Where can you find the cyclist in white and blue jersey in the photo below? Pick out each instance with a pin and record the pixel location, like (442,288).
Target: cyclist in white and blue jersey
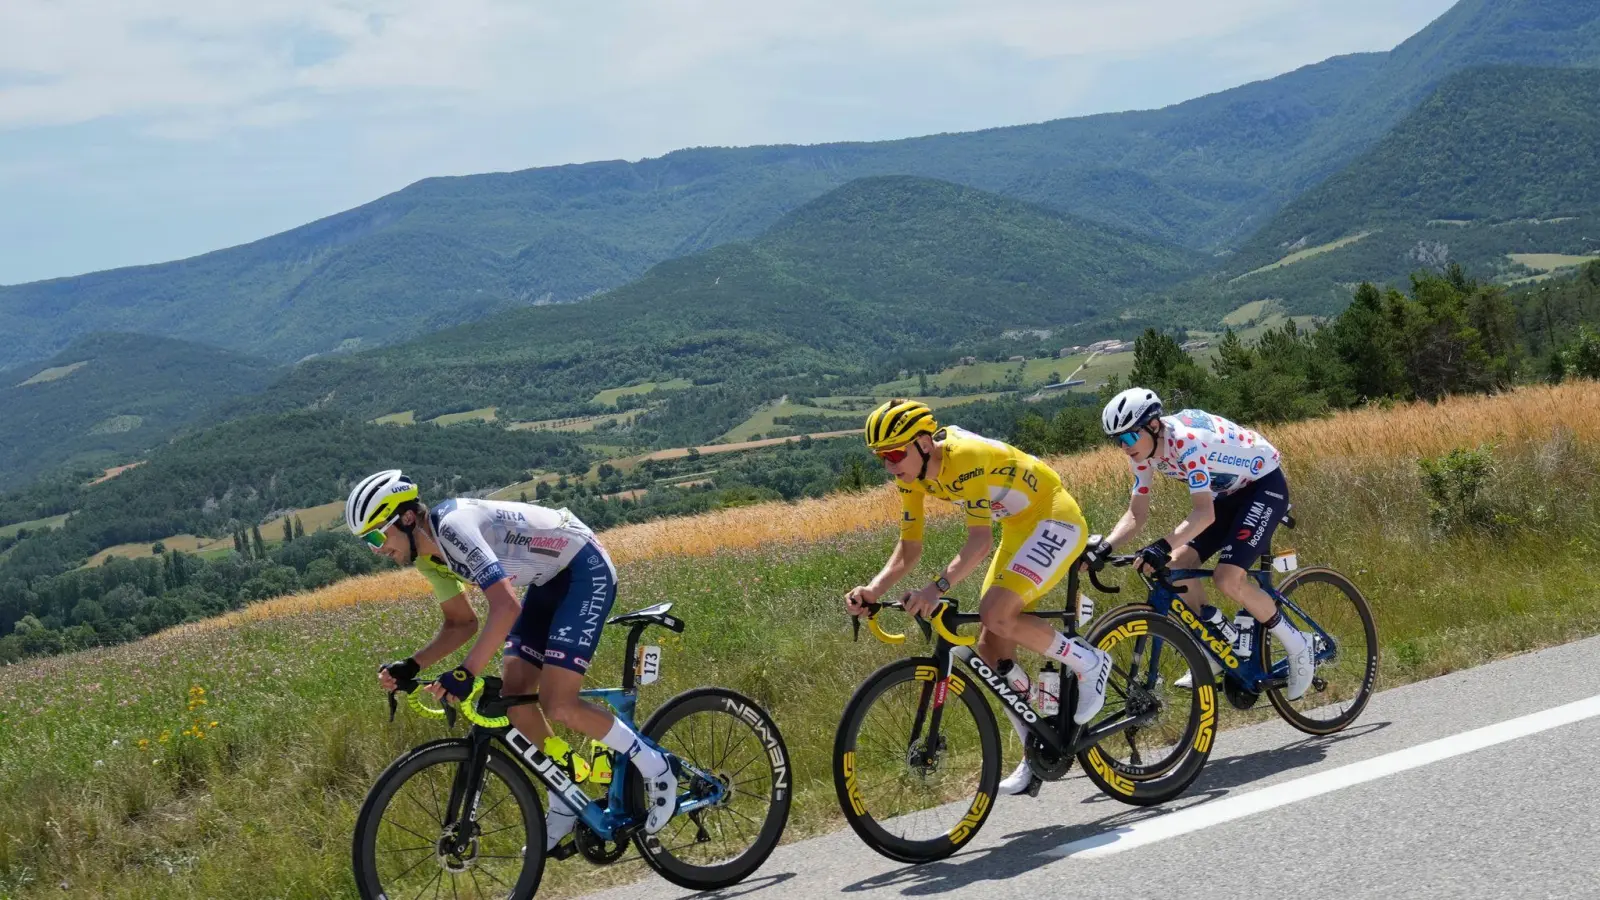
(1238,496)
(549,636)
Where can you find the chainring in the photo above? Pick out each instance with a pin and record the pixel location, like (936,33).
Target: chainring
(1044,763)
(596,849)
(1239,696)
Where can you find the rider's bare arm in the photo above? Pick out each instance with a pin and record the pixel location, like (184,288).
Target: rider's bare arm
(1132,521)
(972,554)
(504,607)
(1201,515)
(459,625)
(907,553)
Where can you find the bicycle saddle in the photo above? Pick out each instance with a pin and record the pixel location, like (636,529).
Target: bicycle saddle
(654,615)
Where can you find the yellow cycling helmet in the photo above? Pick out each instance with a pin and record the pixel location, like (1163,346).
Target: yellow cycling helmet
(896,422)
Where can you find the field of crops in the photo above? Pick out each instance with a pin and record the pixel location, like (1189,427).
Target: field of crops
(229,757)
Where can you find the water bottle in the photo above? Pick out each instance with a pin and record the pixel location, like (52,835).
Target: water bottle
(1245,626)
(1047,693)
(1014,676)
(1213,617)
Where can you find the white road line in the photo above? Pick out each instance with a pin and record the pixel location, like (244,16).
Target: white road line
(1237,807)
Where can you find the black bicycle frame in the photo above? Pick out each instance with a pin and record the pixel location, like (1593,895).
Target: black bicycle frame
(1059,734)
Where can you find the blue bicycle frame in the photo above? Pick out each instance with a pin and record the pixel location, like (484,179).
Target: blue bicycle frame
(1250,674)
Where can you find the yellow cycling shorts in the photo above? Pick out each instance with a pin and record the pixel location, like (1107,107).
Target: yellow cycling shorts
(1034,555)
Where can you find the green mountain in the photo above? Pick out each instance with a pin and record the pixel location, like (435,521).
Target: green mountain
(110,395)
(445,251)
(1499,161)
(877,266)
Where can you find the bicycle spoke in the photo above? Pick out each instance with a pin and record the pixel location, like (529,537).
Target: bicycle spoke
(407,850)
(434,882)
(387,821)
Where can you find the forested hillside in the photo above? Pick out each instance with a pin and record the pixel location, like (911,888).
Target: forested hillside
(444,251)
(109,395)
(880,265)
(1499,163)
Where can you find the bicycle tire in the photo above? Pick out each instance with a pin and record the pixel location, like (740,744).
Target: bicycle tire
(364,845)
(1151,785)
(1369,672)
(861,819)
(779,789)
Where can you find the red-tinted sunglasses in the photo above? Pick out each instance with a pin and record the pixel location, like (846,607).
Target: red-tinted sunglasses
(894,457)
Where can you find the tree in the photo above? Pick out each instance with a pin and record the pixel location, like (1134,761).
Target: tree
(288,531)
(239,545)
(158,548)
(259,545)
(299,528)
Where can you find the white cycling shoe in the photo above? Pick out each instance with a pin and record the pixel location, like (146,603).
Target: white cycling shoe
(1092,689)
(1302,667)
(1021,781)
(661,797)
(1187,681)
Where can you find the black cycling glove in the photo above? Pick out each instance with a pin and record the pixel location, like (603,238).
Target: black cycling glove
(1157,555)
(403,671)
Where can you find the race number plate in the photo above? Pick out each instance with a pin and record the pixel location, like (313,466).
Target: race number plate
(649,665)
(1286,561)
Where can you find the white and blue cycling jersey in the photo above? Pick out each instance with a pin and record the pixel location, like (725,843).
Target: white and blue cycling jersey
(488,541)
(1208,453)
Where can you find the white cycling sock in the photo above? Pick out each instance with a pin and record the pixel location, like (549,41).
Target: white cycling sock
(1075,654)
(1289,636)
(558,823)
(626,741)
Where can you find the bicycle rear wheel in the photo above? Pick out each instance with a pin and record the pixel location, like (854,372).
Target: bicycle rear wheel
(737,745)
(910,795)
(1159,757)
(1347,672)
(402,849)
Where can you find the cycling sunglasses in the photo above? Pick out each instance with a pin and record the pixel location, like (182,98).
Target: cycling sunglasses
(375,538)
(894,457)
(1126,438)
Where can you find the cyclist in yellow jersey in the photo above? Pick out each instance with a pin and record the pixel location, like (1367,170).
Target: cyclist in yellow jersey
(1042,532)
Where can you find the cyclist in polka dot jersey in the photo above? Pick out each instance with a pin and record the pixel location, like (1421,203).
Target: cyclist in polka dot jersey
(1238,495)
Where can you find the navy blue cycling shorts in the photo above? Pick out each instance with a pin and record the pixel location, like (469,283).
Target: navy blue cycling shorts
(561,619)
(1245,522)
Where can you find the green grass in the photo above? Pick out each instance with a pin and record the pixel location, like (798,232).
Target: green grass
(1034,372)
(34,525)
(409,417)
(1250,312)
(610,396)
(54,373)
(1305,254)
(762,424)
(487,414)
(1549,262)
(263,804)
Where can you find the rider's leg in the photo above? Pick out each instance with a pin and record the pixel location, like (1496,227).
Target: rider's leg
(1001,612)
(522,677)
(1194,593)
(1250,533)
(993,649)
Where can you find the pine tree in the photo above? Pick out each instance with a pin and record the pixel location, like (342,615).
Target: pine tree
(299,528)
(288,531)
(260,545)
(238,543)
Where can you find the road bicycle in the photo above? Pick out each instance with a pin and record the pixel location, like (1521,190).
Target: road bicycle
(1316,600)
(460,817)
(916,773)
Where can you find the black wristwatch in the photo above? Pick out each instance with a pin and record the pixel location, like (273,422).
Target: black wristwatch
(943,584)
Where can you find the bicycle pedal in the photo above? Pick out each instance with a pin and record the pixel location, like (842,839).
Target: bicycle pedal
(1034,784)
(567,849)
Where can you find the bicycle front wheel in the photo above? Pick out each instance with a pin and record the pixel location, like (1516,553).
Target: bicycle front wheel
(738,754)
(1169,730)
(912,792)
(1347,671)
(402,847)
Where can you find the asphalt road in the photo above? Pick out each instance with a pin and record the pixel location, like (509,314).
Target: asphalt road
(1480,784)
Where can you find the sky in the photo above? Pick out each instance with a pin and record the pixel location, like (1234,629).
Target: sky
(140,131)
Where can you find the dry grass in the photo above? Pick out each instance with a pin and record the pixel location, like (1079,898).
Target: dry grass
(114,471)
(1527,415)
(54,373)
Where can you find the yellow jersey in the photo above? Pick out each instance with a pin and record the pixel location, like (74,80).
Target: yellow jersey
(988,479)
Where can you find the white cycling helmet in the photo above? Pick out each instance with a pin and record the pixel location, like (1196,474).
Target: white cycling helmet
(1133,408)
(376,499)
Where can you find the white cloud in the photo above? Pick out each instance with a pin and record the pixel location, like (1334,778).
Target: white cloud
(217,62)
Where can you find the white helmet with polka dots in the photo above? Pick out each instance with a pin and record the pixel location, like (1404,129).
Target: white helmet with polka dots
(1133,408)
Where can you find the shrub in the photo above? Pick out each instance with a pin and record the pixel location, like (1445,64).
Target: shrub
(1456,487)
